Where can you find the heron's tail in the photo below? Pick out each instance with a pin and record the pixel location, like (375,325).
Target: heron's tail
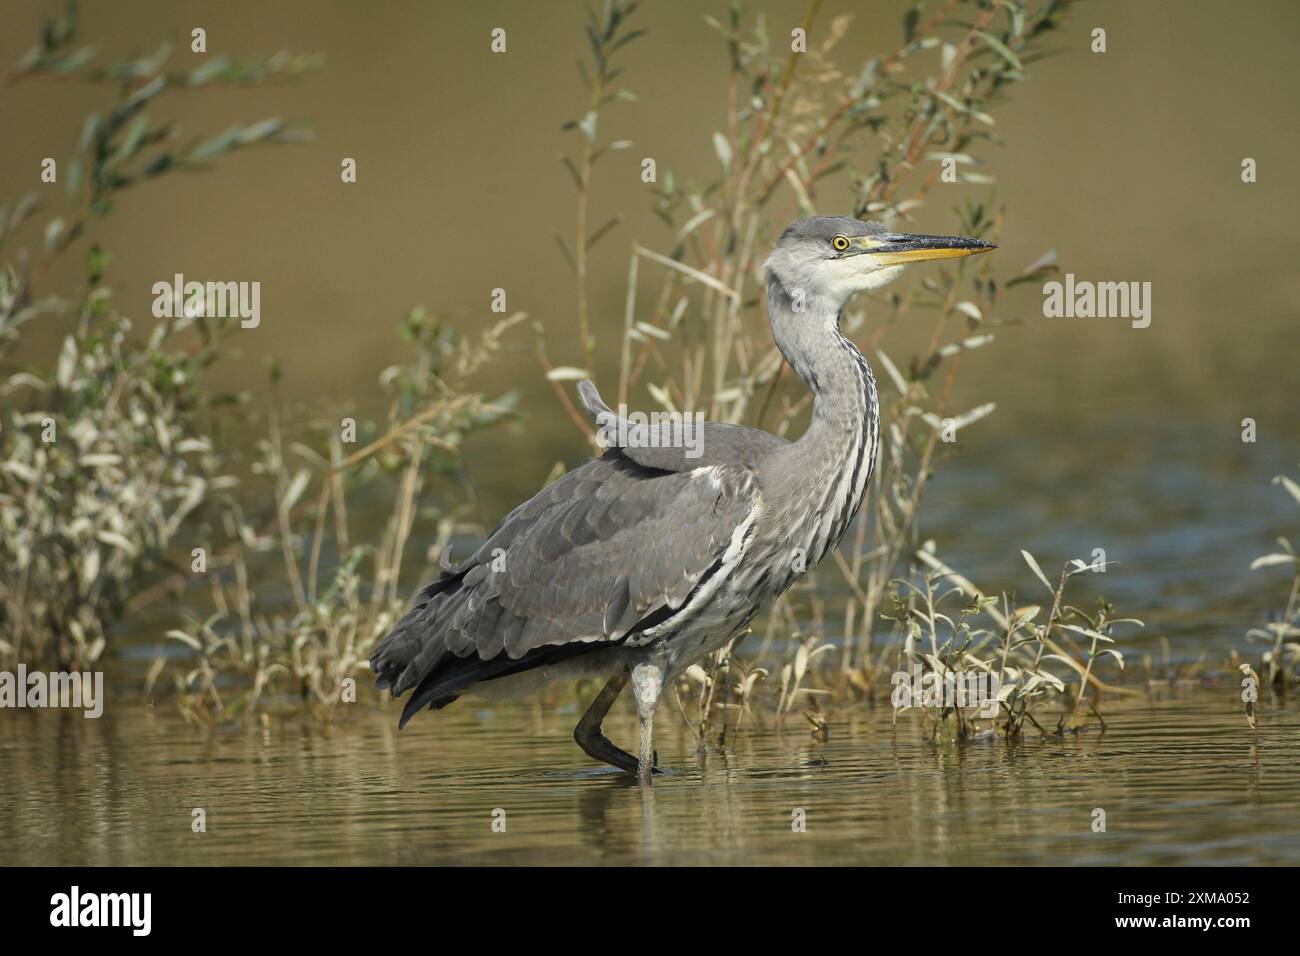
(419,653)
(414,647)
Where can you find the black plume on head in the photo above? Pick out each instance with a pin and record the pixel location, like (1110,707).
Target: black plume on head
(826,227)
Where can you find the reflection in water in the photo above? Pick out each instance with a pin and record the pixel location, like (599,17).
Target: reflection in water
(1180,781)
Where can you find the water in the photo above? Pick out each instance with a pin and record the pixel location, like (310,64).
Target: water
(1181,780)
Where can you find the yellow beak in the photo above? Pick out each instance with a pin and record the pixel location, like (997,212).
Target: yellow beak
(899,248)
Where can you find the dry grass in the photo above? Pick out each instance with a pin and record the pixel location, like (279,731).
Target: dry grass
(258,644)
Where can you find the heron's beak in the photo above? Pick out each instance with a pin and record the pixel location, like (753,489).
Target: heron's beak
(898,248)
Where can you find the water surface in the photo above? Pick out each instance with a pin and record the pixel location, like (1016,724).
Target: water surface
(1181,780)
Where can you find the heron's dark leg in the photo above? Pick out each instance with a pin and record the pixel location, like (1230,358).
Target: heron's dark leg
(648,684)
(595,744)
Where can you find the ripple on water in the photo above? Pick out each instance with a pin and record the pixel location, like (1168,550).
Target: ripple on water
(1180,781)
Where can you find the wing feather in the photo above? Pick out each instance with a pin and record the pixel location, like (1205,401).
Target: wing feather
(611,544)
(720,443)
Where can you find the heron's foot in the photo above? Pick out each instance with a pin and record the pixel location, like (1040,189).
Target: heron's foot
(596,745)
(599,747)
(588,736)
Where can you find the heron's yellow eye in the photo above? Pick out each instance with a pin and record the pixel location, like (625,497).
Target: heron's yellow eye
(840,243)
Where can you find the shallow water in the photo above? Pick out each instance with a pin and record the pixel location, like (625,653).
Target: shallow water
(1180,780)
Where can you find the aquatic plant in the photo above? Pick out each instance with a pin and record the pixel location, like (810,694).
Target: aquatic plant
(1280,661)
(105,455)
(1011,643)
(306,639)
(112,465)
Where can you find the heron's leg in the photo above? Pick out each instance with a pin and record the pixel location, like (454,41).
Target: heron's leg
(647,684)
(595,744)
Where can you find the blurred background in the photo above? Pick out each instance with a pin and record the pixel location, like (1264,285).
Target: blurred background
(1127,163)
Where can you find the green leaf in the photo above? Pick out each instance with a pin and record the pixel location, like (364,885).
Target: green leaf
(723,149)
(910,19)
(567,373)
(1272,559)
(1088,632)
(1033,566)
(53,233)
(1289,485)
(1001,49)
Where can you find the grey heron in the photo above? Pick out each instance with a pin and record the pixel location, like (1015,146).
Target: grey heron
(646,559)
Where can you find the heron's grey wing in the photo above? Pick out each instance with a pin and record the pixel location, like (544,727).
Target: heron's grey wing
(683,446)
(610,545)
(606,547)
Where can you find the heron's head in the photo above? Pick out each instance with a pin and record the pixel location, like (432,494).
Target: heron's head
(830,258)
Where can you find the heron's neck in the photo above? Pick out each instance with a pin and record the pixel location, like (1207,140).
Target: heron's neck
(837,453)
(844,390)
